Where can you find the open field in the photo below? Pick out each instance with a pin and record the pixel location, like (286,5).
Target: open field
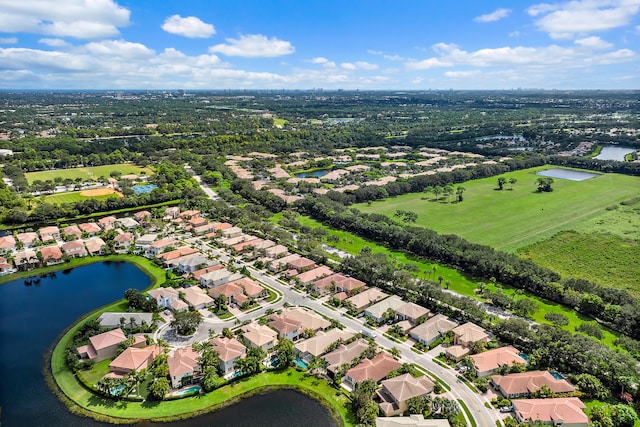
(76,196)
(87,173)
(511,219)
(606,259)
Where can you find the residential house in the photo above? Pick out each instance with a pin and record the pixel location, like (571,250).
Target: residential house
(51,255)
(260,247)
(169,259)
(277,251)
(128,223)
(72,230)
(159,246)
(74,249)
(231,241)
(187,215)
(198,273)
(123,242)
(196,297)
(374,369)
(251,288)
(198,221)
(301,265)
(192,263)
(414,420)
(243,247)
(565,411)
(364,299)
(380,309)
(49,234)
(412,312)
(124,319)
(29,239)
(183,366)
(102,346)
(229,350)
(134,359)
(95,245)
(350,285)
(5,267)
(395,392)
(107,223)
(91,228)
(312,275)
(7,244)
(327,284)
(219,277)
(142,216)
(280,264)
(432,329)
(286,327)
(463,337)
(178,305)
(524,384)
(308,319)
(25,259)
(164,296)
(344,354)
(231,232)
(229,290)
(171,213)
(259,336)
(317,345)
(202,229)
(486,363)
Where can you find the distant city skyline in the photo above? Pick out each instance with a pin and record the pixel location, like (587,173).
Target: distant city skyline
(294,44)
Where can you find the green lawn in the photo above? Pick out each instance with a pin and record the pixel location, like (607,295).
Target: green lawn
(73,197)
(510,219)
(87,173)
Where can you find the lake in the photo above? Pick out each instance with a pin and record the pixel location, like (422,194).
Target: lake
(569,174)
(315,174)
(614,152)
(33,316)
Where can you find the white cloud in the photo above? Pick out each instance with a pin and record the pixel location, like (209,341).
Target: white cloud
(514,33)
(253,46)
(348,66)
(8,40)
(594,42)
(324,62)
(190,26)
(119,49)
(427,64)
(496,15)
(461,74)
(80,19)
(53,42)
(386,56)
(359,65)
(584,16)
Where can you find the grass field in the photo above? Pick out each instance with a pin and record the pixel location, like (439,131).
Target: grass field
(606,259)
(73,196)
(87,173)
(511,219)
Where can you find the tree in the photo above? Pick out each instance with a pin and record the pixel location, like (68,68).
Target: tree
(459,191)
(512,181)
(186,322)
(501,181)
(623,415)
(285,352)
(209,378)
(159,388)
(544,184)
(364,407)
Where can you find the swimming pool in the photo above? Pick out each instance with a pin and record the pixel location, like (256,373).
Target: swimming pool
(556,375)
(188,390)
(301,363)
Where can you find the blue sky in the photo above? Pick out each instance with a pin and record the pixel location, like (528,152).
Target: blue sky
(330,44)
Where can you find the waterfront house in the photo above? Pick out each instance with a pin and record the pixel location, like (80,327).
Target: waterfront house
(395,392)
(51,255)
(344,354)
(259,336)
(7,244)
(107,223)
(229,350)
(317,345)
(374,369)
(124,319)
(183,366)
(123,242)
(102,346)
(163,296)
(95,245)
(134,359)
(75,249)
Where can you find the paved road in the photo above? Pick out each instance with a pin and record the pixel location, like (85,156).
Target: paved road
(483,416)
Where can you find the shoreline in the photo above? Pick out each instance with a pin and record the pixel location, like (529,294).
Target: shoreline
(78,400)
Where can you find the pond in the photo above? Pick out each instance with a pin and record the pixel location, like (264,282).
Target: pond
(315,174)
(613,152)
(33,316)
(569,174)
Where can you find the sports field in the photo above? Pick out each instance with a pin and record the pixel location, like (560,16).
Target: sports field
(514,218)
(88,173)
(76,196)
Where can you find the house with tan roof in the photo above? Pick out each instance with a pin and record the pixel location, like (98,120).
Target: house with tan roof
(486,363)
(176,253)
(198,273)
(412,312)
(229,290)
(193,262)
(286,327)
(171,213)
(187,215)
(372,369)
(202,229)
(310,276)
(259,336)
(350,285)
(183,366)
(302,264)
(280,264)
(91,228)
(123,242)
(198,221)
(107,222)
(134,359)
(29,239)
(276,251)
(414,420)
(432,329)
(395,392)
(159,246)
(230,232)
(102,346)
(7,243)
(308,319)
(5,267)
(196,297)
(25,259)
(142,216)
(469,333)
(74,249)
(229,350)
(344,354)
(251,288)
(524,384)
(95,245)
(129,320)
(219,277)
(163,296)
(231,241)
(565,411)
(317,344)
(51,255)
(327,284)
(72,230)
(49,234)
(378,310)
(366,298)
